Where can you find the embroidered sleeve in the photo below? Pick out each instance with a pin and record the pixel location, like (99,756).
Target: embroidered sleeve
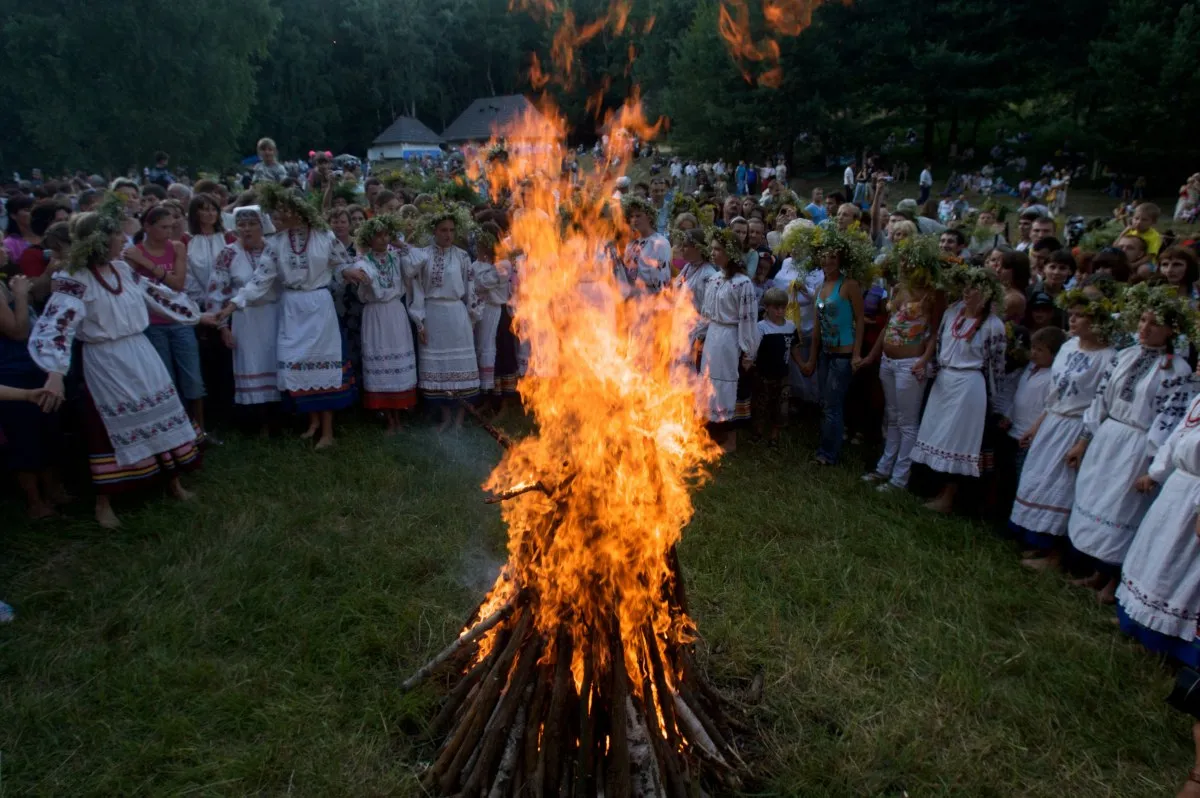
(749,335)
(1175,394)
(1097,411)
(220,281)
(993,360)
(175,305)
(1163,464)
(474,305)
(339,257)
(258,286)
(416,302)
(52,336)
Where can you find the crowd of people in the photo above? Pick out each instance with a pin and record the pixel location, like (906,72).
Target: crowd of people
(1051,380)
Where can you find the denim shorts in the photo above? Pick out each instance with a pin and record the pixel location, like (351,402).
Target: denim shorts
(176,345)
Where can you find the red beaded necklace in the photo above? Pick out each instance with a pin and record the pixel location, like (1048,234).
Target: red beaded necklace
(956,328)
(1193,416)
(100,279)
(292,242)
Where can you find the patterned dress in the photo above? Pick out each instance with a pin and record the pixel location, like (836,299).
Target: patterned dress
(445,304)
(730,330)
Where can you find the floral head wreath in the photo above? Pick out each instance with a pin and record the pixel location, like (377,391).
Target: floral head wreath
(1169,309)
(91,247)
(1101,303)
(682,203)
(813,242)
(918,262)
(436,213)
(274,197)
(959,278)
(632,203)
(346,191)
(695,237)
(386,223)
(728,241)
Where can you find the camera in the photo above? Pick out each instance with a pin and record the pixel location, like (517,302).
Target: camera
(1185,696)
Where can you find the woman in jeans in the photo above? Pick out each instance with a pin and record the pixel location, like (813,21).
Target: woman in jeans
(906,347)
(970,360)
(845,260)
(165,262)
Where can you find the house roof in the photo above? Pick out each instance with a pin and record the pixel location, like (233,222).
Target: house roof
(485,114)
(407,130)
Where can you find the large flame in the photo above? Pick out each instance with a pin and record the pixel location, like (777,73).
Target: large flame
(619,441)
(782,18)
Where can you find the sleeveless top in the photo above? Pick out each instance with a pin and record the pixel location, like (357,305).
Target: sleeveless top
(837,318)
(167,261)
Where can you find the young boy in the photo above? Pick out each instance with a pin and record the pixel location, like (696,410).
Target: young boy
(779,342)
(1145,216)
(1030,398)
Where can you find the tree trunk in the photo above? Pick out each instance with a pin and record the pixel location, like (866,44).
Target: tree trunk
(930,126)
(975,131)
(952,139)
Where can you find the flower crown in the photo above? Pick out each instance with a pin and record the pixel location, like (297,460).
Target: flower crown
(959,278)
(729,242)
(631,204)
(1101,303)
(1169,309)
(274,197)
(92,248)
(384,223)
(857,254)
(919,262)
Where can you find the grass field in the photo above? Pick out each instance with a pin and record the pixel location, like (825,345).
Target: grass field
(252,642)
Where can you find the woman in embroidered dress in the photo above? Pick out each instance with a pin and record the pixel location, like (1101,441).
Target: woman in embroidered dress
(1046,490)
(492,286)
(252,332)
(311,362)
(346,300)
(697,272)
(906,348)
(1158,602)
(1142,396)
(729,336)
(445,307)
(648,257)
(970,359)
(389,362)
(208,240)
(135,425)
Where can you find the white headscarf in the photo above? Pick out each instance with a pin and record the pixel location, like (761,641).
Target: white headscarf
(256,211)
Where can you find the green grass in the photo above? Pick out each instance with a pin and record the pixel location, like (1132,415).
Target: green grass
(252,642)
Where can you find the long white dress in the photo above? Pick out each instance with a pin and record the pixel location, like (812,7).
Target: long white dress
(389,361)
(255,327)
(730,330)
(694,279)
(202,254)
(133,394)
(1142,396)
(969,369)
(1047,488)
(445,303)
(1160,582)
(492,286)
(309,355)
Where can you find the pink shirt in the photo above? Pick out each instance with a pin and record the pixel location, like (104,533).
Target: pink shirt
(167,261)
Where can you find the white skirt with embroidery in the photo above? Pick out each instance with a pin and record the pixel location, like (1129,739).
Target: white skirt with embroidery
(1160,581)
(1107,510)
(1047,488)
(389,362)
(951,434)
(447,363)
(310,343)
(136,399)
(255,364)
(485,345)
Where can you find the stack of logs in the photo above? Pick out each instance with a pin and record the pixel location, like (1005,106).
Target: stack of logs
(517,722)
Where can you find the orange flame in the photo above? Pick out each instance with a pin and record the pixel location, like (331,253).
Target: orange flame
(618,430)
(783,17)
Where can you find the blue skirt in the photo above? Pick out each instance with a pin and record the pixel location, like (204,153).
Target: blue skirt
(1185,651)
(321,399)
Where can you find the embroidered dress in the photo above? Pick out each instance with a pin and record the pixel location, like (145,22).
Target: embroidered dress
(136,425)
(444,302)
(310,359)
(647,266)
(1046,491)
(255,327)
(1159,597)
(730,330)
(492,286)
(969,367)
(202,254)
(389,362)
(1142,396)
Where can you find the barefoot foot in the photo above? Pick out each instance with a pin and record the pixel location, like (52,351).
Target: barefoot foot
(107,519)
(309,433)
(324,443)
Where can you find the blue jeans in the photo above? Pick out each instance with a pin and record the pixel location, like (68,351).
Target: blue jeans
(833,381)
(176,345)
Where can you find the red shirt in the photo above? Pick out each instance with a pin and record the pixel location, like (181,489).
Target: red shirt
(32,262)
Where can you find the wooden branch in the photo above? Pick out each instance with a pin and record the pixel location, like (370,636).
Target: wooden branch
(508,763)
(513,493)
(643,758)
(619,785)
(549,760)
(695,732)
(496,434)
(461,642)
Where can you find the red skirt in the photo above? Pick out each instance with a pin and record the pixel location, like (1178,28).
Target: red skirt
(378,400)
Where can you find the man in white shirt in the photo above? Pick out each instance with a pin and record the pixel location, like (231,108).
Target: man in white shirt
(848,181)
(925,182)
